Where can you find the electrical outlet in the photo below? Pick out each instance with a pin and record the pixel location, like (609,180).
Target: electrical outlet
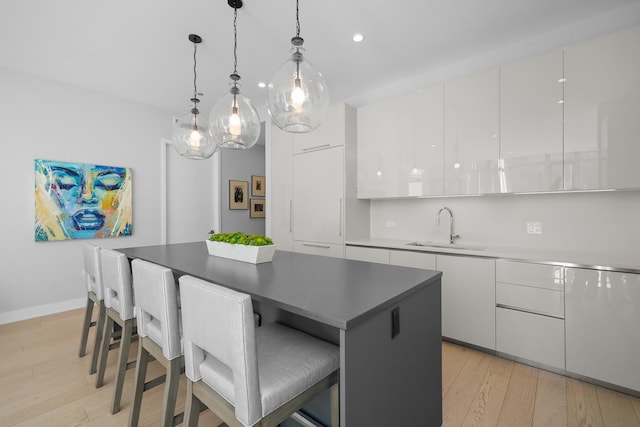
(390,224)
(534,227)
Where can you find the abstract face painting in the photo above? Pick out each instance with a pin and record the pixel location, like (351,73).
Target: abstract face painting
(81,201)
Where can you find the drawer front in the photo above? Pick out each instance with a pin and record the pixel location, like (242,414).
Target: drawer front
(315,248)
(536,300)
(412,259)
(525,273)
(529,336)
(367,254)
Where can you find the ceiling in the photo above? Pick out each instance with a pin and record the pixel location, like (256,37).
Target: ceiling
(139,49)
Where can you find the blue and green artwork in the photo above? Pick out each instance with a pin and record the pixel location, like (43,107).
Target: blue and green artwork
(81,201)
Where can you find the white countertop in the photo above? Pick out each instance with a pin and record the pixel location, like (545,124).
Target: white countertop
(601,261)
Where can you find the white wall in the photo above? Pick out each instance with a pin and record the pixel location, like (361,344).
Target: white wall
(44,119)
(602,222)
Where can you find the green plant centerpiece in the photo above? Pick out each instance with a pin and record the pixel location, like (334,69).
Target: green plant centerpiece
(252,248)
(239,238)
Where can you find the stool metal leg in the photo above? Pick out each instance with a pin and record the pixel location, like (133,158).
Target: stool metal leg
(125,343)
(102,314)
(86,325)
(192,407)
(171,391)
(139,386)
(104,350)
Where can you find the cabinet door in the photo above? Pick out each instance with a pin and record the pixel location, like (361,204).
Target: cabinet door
(323,249)
(318,196)
(471,123)
(421,143)
(378,150)
(358,253)
(531,94)
(602,98)
(468,299)
(601,318)
(536,338)
(281,188)
(329,134)
(412,259)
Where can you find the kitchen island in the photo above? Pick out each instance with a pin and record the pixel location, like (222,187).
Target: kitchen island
(386,320)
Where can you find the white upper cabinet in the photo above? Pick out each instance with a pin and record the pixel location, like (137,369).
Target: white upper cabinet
(421,143)
(378,162)
(602,119)
(329,134)
(471,130)
(531,94)
(280,186)
(400,146)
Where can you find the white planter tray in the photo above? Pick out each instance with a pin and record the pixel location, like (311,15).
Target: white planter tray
(244,253)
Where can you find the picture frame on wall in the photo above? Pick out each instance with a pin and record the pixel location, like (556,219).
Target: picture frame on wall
(238,195)
(258,208)
(258,186)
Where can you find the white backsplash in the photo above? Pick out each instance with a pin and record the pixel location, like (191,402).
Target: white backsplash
(601,222)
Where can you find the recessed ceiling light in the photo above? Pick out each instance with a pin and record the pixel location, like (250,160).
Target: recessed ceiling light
(262,84)
(358,37)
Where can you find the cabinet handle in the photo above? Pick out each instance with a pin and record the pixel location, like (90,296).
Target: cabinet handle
(315,245)
(340,218)
(290,216)
(316,147)
(524,310)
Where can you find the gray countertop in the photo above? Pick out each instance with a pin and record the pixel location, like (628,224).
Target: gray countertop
(337,292)
(600,261)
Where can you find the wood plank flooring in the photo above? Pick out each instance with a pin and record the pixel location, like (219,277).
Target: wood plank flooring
(44,383)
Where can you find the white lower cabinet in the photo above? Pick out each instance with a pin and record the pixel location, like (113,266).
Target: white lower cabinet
(530,312)
(412,259)
(602,326)
(314,248)
(530,336)
(359,253)
(468,299)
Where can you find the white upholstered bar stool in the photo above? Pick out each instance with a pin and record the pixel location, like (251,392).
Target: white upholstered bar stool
(158,320)
(248,376)
(92,276)
(118,300)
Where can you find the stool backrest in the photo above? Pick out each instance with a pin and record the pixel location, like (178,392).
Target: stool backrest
(156,307)
(91,269)
(219,321)
(116,278)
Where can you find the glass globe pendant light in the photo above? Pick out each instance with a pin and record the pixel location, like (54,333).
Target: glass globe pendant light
(191,137)
(297,96)
(234,121)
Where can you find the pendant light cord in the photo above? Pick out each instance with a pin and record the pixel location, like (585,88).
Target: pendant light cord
(235,40)
(195,74)
(297,20)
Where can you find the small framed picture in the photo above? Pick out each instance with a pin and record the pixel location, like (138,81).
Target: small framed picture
(258,208)
(258,186)
(238,194)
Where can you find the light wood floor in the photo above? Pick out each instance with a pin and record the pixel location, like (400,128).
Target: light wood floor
(44,383)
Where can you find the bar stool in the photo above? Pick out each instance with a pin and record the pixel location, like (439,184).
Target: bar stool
(92,275)
(248,376)
(159,334)
(118,300)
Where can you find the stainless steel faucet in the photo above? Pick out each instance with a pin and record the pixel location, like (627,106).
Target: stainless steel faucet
(452,236)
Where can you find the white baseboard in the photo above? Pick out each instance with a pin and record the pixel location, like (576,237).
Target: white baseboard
(41,310)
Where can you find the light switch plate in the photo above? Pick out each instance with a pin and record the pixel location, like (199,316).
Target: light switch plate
(534,227)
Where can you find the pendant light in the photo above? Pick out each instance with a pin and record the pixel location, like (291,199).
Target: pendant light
(297,96)
(191,137)
(234,121)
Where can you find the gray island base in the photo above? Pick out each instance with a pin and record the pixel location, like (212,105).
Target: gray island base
(386,320)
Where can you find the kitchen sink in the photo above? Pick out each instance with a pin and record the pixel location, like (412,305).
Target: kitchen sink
(429,244)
